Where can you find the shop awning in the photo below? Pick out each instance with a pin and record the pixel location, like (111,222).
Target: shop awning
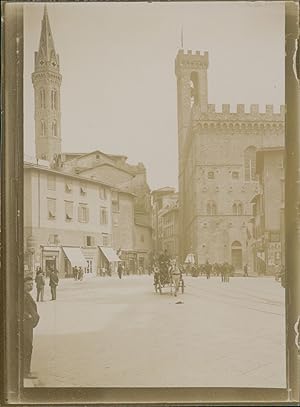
(75,256)
(109,253)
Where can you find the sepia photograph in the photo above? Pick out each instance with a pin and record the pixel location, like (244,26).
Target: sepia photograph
(154,195)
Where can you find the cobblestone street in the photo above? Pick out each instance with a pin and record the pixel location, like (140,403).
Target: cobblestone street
(111,332)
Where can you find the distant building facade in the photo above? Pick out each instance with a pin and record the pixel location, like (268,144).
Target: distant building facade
(169,226)
(217,162)
(162,199)
(268,211)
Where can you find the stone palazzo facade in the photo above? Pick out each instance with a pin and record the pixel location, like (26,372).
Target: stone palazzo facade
(217,166)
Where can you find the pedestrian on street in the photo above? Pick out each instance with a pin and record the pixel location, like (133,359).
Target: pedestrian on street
(176,276)
(30,321)
(53,282)
(80,273)
(120,270)
(75,272)
(40,284)
(246,270)
(207,269)
(223,267)
(227,272)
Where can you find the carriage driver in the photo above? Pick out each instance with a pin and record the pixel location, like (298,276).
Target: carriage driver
(176,275)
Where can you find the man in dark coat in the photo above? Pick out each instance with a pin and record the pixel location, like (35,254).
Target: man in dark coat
(120,270)
(53,282)
(40,283)
(30,321)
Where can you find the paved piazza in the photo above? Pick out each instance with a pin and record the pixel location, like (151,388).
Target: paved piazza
(120,333)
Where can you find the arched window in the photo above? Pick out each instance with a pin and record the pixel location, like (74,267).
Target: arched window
(250,163)
(211,208)
(42,98)
(240,209)
(54,129)
(194,88)
(53,99)
(237,208)
(43,128)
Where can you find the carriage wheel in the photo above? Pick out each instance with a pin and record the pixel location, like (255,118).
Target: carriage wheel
(182,286)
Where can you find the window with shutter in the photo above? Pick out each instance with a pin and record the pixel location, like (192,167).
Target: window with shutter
(51,206)
(68,186)
(68,211)
(83,189)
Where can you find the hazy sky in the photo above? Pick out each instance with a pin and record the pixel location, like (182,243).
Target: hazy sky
(118,90)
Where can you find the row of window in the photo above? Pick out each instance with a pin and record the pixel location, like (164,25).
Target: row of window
(82,212)
(51,185)
(234,175)
(237,208)
(88,240)
(53,99)
(249,166)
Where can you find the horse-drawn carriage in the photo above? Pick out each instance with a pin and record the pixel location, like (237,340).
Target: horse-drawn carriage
(167,275)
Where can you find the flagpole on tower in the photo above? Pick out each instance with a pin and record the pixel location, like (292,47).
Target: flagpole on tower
(181,37)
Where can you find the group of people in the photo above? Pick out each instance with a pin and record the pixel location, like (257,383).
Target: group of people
(40,281)
(225,270)
(78,273)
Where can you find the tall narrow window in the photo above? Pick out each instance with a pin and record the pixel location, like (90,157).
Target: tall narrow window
(42,98)
(250,163)
(43,128)
(54,99)
(103,216)
(240,209)
(54,129)
(115,201)
(83,213)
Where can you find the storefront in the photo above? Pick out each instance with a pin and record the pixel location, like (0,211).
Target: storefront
(108,260)
(73,256)
(50,259)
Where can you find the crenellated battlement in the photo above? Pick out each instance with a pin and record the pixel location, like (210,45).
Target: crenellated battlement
(190,60)
(239,114)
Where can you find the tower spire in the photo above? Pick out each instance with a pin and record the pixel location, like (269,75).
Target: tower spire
(46,55)
(46,80)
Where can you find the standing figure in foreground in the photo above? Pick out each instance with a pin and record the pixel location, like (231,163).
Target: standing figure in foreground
(53,283)
(30,321)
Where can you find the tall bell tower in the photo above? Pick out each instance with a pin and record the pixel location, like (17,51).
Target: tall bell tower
(191,72)
(46,80)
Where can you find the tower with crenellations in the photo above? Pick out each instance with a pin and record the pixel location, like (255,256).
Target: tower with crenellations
(217,166)
(46,80)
